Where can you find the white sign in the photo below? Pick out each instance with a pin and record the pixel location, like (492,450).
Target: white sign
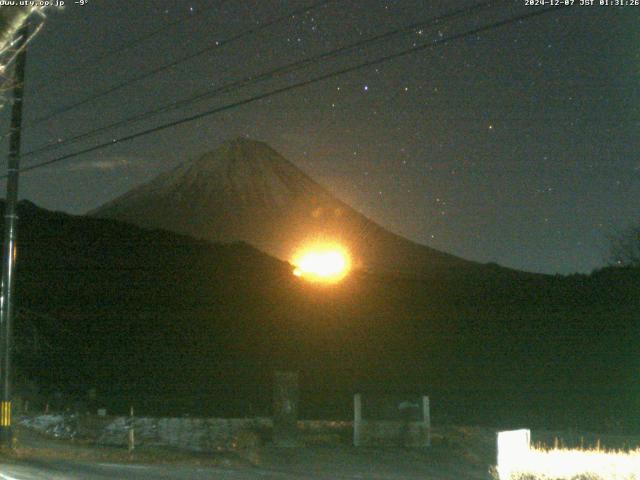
(513,445)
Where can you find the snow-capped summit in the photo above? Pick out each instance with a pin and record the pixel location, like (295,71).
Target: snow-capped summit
(247,170)
(246,191)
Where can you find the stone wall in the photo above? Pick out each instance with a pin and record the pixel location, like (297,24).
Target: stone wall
(220,434)
(394,434)
(194,434)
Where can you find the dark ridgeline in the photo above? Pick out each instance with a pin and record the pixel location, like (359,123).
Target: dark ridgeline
(176,325)
(246,191)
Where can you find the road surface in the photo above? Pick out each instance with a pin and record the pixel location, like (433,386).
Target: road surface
(59,470)
(41,458)
(73,470)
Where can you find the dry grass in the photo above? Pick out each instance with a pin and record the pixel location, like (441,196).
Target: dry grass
(572,464)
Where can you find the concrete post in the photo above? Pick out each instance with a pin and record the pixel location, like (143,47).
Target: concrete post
(426,418)
(132,435)
(357,419)
(285,409)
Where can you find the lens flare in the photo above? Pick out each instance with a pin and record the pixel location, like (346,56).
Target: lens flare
(323,263)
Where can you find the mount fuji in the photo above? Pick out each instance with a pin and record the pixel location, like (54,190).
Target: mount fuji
(246,191)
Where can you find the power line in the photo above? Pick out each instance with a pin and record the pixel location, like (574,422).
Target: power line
(288,68)
(295,86)
(216,45)
(132,43)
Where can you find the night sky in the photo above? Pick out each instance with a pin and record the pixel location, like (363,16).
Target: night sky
(518,145)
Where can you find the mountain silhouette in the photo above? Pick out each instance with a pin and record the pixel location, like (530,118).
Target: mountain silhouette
(246,191)
(171,324)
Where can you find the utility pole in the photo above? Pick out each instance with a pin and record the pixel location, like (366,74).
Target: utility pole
(9,246)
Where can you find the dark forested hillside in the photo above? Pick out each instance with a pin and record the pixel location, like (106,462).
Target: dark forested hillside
(175,325)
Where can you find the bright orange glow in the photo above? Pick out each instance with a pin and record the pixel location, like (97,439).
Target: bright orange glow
(323,263)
